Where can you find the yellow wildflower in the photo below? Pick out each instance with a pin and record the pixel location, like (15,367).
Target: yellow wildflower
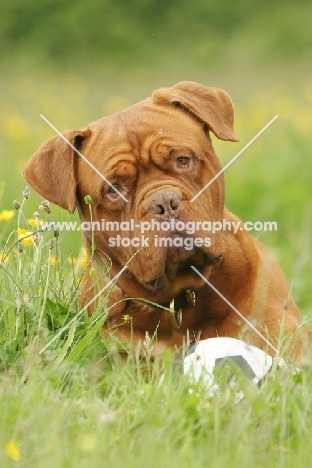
(83,258)
(6,215)
(4,259)
(13,450)
(34,222)
(54,261)
(25,236)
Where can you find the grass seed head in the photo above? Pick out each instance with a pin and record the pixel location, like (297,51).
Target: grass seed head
(16,204)
(45,206)
(26,192)
(88,199)
(56,232)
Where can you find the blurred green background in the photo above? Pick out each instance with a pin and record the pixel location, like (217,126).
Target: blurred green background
(76,61)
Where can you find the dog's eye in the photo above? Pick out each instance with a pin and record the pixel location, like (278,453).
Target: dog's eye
(116,186)
(183,161)
(112,194)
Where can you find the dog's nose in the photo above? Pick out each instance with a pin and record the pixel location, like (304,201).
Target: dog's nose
(165,204)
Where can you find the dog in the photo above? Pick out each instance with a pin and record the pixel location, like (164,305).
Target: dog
(148,165)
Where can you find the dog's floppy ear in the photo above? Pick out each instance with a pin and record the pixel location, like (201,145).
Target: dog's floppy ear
(51,170)
(211,106)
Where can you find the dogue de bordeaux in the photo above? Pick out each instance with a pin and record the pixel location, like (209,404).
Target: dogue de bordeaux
(143,168)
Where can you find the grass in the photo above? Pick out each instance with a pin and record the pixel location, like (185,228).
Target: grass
(87,414)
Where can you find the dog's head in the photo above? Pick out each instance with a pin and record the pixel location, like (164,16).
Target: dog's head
(142,168)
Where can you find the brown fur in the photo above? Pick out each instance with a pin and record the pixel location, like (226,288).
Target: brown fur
(139,149)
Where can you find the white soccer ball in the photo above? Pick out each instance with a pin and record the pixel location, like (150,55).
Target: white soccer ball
(203,358)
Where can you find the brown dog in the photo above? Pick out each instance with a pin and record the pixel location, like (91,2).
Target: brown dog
(155,157)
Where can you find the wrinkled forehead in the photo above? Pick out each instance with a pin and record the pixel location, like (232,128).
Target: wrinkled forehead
(146,124)
(148,115)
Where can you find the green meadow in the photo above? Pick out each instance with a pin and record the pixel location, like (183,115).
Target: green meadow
(66,399)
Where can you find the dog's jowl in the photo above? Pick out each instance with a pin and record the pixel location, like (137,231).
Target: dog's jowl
(144,168)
